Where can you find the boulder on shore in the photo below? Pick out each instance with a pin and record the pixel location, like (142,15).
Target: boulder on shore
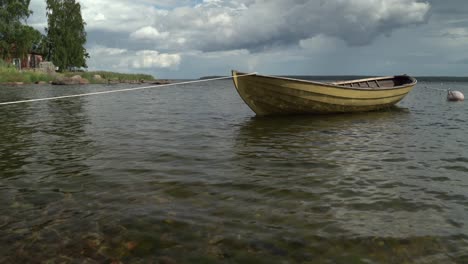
(77,79)
(98,79)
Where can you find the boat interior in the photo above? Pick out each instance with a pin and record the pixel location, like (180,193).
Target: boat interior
(376,83)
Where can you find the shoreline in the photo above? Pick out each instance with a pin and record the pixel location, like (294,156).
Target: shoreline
(9,76)
(111,82)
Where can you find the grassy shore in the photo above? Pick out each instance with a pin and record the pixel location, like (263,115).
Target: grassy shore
(110,76)
(9,74)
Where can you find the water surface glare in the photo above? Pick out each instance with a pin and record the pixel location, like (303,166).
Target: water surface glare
(188,174)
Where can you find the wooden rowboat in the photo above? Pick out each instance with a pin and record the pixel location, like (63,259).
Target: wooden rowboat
(269,95)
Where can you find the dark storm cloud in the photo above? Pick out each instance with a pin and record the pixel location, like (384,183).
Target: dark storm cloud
(264,24)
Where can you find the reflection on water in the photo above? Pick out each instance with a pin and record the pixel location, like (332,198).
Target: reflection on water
(345,162)
(321,137)
(188,175)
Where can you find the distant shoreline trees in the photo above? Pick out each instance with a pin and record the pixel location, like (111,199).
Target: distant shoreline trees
(66,35)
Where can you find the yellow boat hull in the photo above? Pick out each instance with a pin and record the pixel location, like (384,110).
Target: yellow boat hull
(268,95)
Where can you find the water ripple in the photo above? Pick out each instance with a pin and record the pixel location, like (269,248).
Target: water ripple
(187,174)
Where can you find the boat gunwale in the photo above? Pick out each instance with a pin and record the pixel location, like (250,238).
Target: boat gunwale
(236,74)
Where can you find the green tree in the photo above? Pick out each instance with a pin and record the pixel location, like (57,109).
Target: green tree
(66,35)
(16,39)
(27,38)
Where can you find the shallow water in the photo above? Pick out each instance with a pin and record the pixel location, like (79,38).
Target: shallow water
(189,174)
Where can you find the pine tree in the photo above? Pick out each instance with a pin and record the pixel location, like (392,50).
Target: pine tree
(66,35)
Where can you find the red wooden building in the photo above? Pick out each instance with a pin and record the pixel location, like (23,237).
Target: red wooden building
(30,61)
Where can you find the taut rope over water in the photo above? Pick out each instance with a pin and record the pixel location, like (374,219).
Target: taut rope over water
(121,90)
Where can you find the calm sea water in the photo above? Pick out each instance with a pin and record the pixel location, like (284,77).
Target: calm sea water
(188,174)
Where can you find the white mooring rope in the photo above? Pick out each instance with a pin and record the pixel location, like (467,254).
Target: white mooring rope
(121,90)
(436,89)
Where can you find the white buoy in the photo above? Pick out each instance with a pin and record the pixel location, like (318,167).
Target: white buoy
(455,96)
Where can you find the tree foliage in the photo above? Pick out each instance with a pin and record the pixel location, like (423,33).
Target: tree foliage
(27,39)
(66,35)
(16,39)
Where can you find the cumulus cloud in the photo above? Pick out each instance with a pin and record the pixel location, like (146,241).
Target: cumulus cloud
(148,33)
(38,20)
(128,60)
(145,34)
(154,59)
(101,50)
(216,25)
(119,15)
(260,24)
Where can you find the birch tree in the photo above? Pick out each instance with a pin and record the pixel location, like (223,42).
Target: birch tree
(66,35)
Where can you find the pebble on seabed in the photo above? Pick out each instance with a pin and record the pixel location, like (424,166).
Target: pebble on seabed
(455,96)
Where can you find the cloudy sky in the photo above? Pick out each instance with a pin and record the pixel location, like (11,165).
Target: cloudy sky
(193,38)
